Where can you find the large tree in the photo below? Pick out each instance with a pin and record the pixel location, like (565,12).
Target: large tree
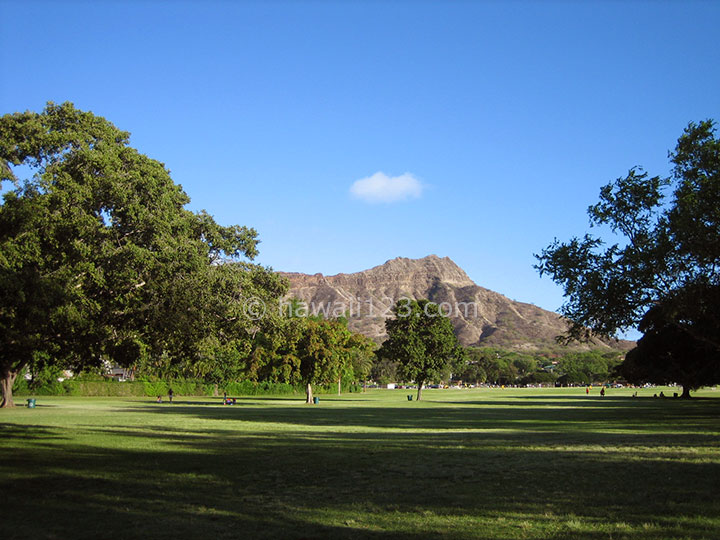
(422,340)
(667,353)
(234,326)
(99,259)
(324,351)
(361,356)
(668,253)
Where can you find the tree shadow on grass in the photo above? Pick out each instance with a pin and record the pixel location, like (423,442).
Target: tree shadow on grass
(633,415)
(505,469)
(19,431)
(250,483)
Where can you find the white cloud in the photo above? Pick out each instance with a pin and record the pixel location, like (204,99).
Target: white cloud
(381,188)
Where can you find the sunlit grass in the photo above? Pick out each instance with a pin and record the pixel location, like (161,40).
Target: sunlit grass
(463,464)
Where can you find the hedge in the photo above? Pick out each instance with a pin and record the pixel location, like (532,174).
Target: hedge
(187,387)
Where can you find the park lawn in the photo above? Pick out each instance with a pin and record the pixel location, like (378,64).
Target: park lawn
(504,464)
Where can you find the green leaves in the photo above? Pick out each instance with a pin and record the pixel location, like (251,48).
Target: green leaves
(629,204)
(422,340)
(662,276)
(680,342)
(668,244)
(694,222)
(99,257)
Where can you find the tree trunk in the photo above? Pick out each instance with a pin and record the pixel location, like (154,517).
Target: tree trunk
(308,393)
(6,383)
(686,392)
(419,395)
(215,390)
(339,386)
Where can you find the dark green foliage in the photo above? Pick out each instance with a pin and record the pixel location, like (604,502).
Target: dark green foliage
(249,388)
(668,246)
(497,365)
(669,256)
(670,352)
(539,378)
(503,367)
(422,341)
(44,374)
(472,373)
(152,389)
(384,371)
(588,367)
(325,351)
(99,260)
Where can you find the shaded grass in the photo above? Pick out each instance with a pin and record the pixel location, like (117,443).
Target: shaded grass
(462,464)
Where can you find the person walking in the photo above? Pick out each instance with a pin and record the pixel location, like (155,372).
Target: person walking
(170,395)
(602,392)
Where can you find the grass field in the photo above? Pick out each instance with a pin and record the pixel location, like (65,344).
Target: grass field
(499,464)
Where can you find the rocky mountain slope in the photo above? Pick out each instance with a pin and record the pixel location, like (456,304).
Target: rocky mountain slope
(481,317)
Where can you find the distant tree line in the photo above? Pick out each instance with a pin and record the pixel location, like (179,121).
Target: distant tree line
(497,366)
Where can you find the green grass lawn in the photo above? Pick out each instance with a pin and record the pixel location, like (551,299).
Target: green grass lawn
(481,463)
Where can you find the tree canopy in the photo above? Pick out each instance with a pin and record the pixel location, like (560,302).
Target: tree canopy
(422,340)
(98,256)
(323,351)
(668,256)
(667,353)
(508,367)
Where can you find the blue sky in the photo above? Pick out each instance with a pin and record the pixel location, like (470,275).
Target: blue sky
(482,130)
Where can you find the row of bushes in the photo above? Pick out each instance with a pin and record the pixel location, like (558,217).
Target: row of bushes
(111,387)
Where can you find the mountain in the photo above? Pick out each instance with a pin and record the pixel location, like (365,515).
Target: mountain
(480,316)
